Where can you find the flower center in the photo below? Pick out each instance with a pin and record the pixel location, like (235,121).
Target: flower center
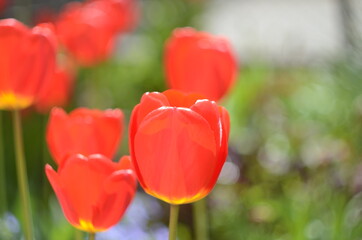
(88,226)
(11,101)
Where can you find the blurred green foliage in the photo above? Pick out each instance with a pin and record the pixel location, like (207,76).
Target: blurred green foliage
(296,134)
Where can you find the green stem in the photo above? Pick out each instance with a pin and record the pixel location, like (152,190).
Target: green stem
(173,222)
(92,236)
(3,201)
(200,219)
(78,235)
(22,176)
(45,160)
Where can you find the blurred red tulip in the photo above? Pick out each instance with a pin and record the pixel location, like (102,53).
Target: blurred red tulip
(57,92)
(27,62)
(124,13)
(199,62)
(87,32)
(84,131)
(93,192)
(178,145)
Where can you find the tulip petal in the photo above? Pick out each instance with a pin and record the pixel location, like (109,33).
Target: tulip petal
(180,99)
(16,67)
(118,192)
(27,61)
(109,128)
(133,126)
(41,51)
(123,13)
(177,157)
(223,151)
(93,193)
(68,210)
(210,111)
(225,119)
(217,117)
(125,163)
(149,102)
(56,93)
(56,135)
(12,35)
(87,32)
(82,181)
(199,62)
(177,48)
(66,134)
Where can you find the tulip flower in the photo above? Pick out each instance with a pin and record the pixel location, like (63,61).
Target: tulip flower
(27,62)
(93,191)
(124,13)
(56,93)
(178,145)
(87,32)
(199,62)
(84,131)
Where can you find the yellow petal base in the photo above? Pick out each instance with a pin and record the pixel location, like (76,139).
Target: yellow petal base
(11,101)
(177,201)
(87,226)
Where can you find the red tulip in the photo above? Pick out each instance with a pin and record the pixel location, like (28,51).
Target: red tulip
(27,62)
(124,13)
(93,192)
(199,62)
(84,131)
(178,145)
(57,92)
(87,32)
